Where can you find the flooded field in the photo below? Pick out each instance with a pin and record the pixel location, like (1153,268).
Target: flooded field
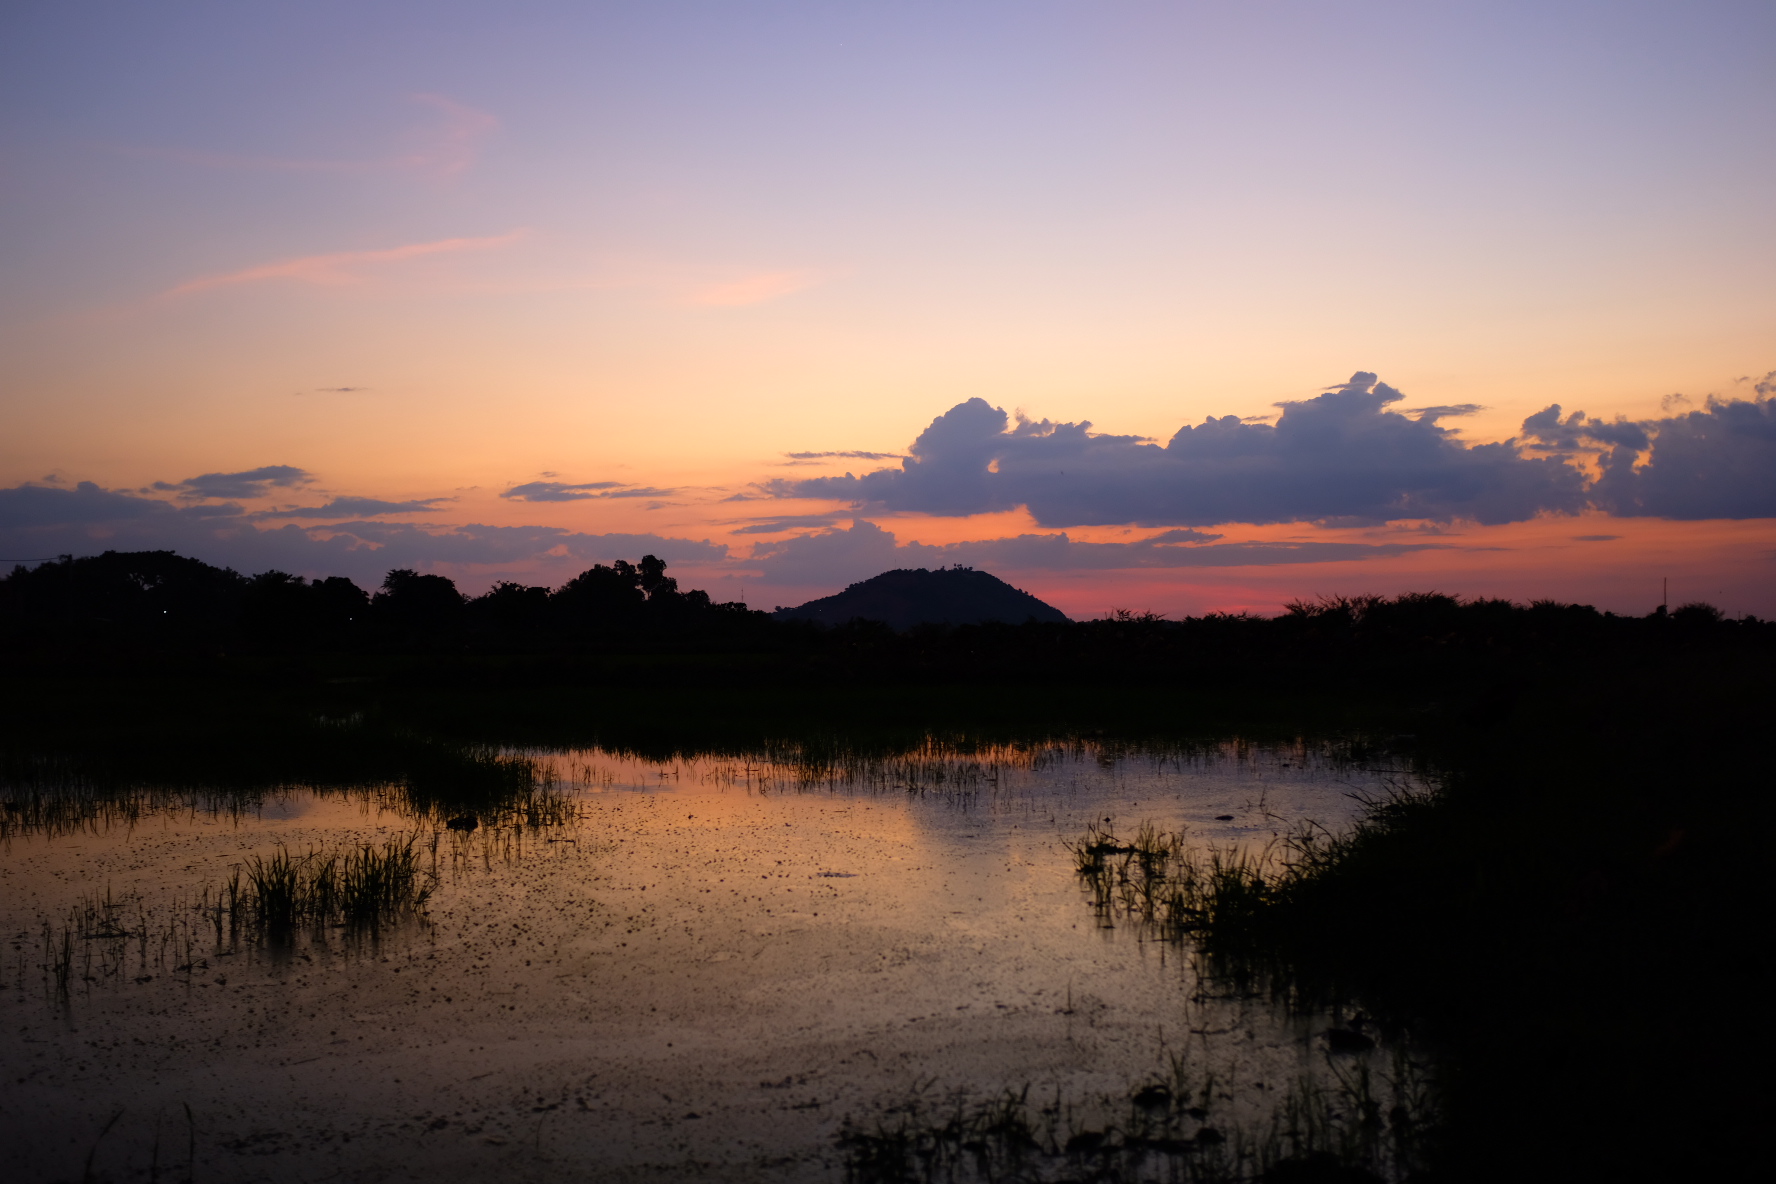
(735,968)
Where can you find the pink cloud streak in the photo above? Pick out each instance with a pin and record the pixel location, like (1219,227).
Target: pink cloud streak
(342,267)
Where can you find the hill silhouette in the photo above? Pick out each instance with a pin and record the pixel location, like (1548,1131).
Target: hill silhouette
(906,597)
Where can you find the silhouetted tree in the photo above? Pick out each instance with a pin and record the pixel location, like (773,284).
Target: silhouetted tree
(510,608)
(422,610)
(654,580)
(120,598)
(339,605)
(283,611)
(600,596)
(276,609)
(1697,613)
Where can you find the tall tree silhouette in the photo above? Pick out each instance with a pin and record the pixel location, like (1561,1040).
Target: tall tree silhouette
(423,609)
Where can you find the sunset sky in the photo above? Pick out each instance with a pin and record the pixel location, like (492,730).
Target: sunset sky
(503,290)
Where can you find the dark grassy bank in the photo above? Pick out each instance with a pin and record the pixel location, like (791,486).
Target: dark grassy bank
(1575,922)
(1580,922)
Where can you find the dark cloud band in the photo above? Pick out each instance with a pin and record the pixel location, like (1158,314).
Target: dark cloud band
(863,550)
(37,520)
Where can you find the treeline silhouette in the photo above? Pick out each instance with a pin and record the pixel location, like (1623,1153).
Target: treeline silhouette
(156,603)
(159,601)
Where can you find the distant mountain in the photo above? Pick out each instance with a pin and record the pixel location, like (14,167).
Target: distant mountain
(910,596)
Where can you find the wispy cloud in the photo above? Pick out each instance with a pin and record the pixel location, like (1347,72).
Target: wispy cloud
(453,147)
(640,491)
(753,289)
(1433,414)
(784,522)
(357,507)
(561,491)
(446,149)
(249,483)
(845,455)
(341,267)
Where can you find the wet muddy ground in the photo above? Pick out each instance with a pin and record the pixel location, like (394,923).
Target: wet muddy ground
(704,975)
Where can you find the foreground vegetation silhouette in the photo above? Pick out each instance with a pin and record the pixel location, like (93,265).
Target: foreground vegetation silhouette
(1574,921)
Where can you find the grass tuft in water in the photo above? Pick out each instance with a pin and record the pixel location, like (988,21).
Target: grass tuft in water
(270,898)
(364,885)
(1342,1122)
(1168,890)
(1227,901)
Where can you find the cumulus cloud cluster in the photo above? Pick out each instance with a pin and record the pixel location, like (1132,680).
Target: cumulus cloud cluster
(1718,462)
(1343,457)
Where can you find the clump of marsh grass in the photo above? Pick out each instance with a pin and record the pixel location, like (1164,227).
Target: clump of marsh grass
(499,788)
(930,768)
(996,1138)
(1227,901)
(1164,887)
(56,806)
(108,938)
(363,885)
(99,783)
(271,899)
(1344,1122)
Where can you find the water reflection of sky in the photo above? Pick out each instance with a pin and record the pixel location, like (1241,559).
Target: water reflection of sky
(728,958)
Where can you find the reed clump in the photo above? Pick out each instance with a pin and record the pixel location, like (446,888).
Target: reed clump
(1171,890)
(92,781)
(364,885)
(270,898)
(1240,906)
(106,938)
(1345,1121)
(442,781)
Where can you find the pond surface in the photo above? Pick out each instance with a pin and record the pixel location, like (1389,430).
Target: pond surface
(697,969)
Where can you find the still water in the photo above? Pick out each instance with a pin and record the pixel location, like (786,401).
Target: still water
(704,968)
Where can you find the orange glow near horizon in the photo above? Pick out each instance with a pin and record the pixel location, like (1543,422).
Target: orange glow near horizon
(658,252)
